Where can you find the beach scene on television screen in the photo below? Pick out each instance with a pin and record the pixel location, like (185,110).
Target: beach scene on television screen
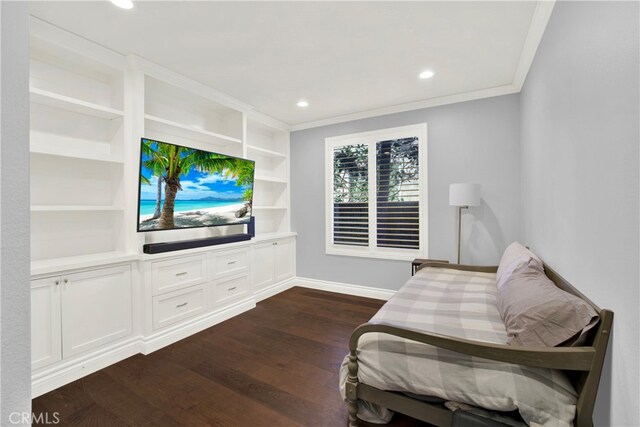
(184,188)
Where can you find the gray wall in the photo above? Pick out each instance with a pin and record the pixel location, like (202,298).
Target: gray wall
(580,174)
(468,142)
(15,352)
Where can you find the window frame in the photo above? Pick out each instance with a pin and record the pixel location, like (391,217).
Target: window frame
(371,138)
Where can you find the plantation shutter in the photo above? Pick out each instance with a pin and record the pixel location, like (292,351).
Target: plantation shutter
(351,195)
(398,194)
(375,189)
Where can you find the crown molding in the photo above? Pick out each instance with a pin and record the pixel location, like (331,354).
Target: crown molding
(538,25)
(427,103)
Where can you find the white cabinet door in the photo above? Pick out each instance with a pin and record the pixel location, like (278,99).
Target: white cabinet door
(96,308)
(283,260)
(46,346)
(262,268)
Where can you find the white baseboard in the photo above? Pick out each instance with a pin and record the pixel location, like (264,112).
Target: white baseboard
(49,379)
(344,288)
(274,289)
(164,338)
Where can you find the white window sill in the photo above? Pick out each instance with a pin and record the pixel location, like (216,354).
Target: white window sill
(376,254)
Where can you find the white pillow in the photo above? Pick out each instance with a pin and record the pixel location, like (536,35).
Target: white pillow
(515,257)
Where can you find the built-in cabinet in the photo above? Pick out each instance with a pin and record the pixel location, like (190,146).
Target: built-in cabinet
(212,279)
(272,262)
(96,298)
(77,312)
(96,308)
(172,307)
(46,322)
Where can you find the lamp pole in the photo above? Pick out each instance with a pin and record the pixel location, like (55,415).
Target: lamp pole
(460,227)
(462,196)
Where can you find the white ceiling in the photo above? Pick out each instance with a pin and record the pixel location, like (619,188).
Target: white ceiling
(348,59)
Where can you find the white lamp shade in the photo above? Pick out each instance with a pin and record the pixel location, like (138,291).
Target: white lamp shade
(464,194)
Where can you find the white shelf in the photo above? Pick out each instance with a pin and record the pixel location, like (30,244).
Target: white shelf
(56,100)
(73,208)
(266,152)
(55,265)
(270,179)
(186,131)
(53,151)
(261,208)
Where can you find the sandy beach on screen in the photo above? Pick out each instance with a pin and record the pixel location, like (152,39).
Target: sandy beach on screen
(198,218)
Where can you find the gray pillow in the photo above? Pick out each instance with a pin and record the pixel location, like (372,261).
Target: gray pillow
(538,313)
(515,257)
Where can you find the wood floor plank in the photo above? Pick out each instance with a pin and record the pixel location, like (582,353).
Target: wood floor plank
(275,365)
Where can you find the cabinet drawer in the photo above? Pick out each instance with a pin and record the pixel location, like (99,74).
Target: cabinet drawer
(231,288)
(175,306)
(178,273)
(229,262)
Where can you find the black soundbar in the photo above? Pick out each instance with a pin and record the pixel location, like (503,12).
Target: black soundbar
(157,248)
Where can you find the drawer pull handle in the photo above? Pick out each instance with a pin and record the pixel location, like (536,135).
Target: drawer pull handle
(181,274)
(57,282)
(230,289)
(231,262)
(182,305)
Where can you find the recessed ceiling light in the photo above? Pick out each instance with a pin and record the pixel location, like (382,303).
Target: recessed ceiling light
(426,74)
(302,103)
(124,4)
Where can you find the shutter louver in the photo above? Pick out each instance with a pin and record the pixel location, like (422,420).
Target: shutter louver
(350,195)
(397,194)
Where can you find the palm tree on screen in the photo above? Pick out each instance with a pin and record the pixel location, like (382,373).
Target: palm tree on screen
(242,172)
(156,164)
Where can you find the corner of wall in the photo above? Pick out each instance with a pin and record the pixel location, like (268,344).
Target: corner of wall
(15,334)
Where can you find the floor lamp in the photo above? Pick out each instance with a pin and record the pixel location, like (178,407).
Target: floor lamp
(463,196)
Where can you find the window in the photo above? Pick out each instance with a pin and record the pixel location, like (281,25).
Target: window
(376,193)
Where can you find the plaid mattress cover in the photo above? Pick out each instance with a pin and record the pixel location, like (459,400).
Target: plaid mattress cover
(460,304)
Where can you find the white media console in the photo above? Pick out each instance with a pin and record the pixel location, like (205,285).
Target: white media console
(86,319)
(96,297)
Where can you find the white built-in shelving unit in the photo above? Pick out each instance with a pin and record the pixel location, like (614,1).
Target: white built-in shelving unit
(268,145)
(77,158)
(96,298)
(89,109)
(176,114)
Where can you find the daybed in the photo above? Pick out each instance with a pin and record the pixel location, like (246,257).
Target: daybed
(440,344)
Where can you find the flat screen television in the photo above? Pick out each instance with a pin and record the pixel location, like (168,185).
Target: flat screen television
(182,187)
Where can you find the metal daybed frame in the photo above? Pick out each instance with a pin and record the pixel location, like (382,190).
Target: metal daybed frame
(583,364)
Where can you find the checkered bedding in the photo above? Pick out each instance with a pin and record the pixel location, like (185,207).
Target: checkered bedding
(460,304)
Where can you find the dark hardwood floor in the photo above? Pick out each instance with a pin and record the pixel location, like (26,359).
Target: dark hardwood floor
(276,365)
